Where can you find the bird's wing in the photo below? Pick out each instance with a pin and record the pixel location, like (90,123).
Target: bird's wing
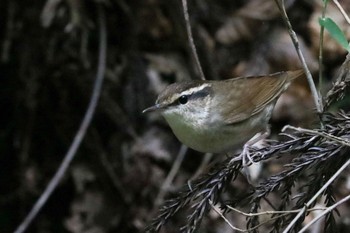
(252,94)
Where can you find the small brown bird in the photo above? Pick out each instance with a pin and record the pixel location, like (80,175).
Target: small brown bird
(220,116)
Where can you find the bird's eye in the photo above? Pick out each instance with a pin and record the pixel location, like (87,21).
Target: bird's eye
(183,99)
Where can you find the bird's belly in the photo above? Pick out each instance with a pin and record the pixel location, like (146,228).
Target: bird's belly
(217,141)
(219,138)
(214,139)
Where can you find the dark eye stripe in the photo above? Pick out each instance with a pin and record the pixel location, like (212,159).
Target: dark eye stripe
(201,94)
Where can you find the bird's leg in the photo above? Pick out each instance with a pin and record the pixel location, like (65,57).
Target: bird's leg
(245,155)
(246,158)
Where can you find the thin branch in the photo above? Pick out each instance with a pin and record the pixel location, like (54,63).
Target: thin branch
(316,196)
(225,219)
(315,94)
(271,211)
(169,179)
(190,39)
(341,9)
(82,129)
(322,134)
(281,214)
(320,52)
(321,215)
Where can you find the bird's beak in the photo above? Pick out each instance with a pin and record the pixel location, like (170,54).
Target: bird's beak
(153,108)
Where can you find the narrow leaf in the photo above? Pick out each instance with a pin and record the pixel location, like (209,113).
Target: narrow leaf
(335,32)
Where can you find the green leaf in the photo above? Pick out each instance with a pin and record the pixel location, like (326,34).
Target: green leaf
(335,32)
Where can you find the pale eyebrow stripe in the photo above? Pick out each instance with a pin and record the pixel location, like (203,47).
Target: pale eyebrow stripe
(194,89)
